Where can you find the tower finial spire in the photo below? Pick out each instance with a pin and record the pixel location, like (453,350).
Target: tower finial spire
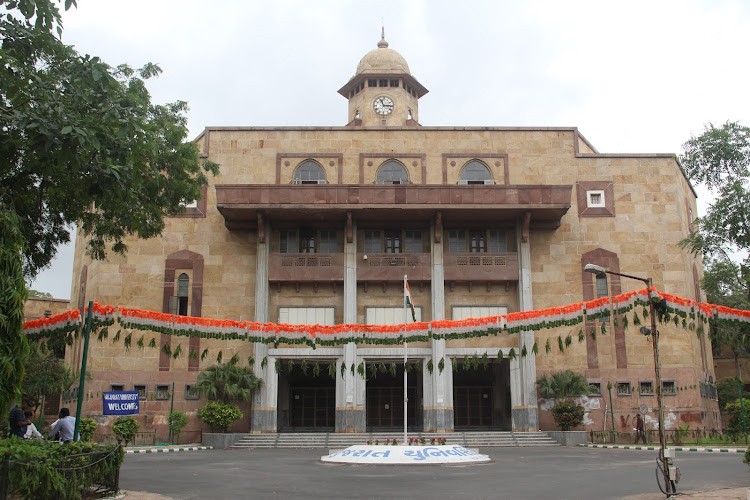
(382,43)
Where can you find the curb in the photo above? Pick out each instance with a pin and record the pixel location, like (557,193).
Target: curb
(699,449)
(169,450)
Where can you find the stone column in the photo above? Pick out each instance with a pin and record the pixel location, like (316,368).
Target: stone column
(525,409)
(350,389)
(264,400)
(438,386)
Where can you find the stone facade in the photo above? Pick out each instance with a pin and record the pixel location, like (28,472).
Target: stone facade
(518,239)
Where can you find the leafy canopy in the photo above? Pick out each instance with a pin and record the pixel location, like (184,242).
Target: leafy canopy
(227,382)
(563,385)
(719,158)
(82,143)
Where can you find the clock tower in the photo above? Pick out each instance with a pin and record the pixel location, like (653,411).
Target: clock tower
(382,93)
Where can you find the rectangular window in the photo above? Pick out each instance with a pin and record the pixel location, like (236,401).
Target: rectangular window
(595,198)
(477,242)
(623,388)
(372,82)
(373,242)
(117,387)
(668,388)
(595,389)
(393,242)
(327,242)
(465,312)
(646,388)
(413,242)
(383,83)
(288,242)
(162,392)
(141,391)
(456,241)
(192,392)
(601,285)
(306,315)
(498,241)
(390,315)
(394,83)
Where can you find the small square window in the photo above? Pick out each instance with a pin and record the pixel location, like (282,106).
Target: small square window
(668,388)
(372,83)
(141,391)
(623,388)
(192,392)
(595,389)
(162,392)
(394,83)
(383,83)
(595,198)
(117,387)
(646,388)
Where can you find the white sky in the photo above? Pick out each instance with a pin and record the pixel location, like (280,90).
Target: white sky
(634,77)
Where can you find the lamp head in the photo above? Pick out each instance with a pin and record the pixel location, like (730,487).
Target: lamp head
(593,268)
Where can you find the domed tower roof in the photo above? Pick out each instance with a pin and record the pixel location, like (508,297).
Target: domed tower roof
(382,60)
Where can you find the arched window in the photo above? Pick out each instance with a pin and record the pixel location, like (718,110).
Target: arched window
(183,282)
(475,172)
(392,172)
(309,172)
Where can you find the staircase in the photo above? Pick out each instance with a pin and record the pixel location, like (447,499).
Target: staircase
(332,440)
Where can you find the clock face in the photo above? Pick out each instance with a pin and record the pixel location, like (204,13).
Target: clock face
(383,105)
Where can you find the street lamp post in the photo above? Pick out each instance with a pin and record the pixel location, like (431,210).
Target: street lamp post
(592,268)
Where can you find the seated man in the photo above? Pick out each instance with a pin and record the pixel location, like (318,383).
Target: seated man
(62,429)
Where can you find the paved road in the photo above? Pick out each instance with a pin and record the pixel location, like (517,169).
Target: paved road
(544,473)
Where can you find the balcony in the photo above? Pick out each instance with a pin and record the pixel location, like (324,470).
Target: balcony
(324,267)
(480,266)
(392,267)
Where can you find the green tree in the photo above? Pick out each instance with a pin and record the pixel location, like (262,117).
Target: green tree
(228,382)
(719,158)
(81,143)
(37,293)
(563,384)
(14,347)
(44,374)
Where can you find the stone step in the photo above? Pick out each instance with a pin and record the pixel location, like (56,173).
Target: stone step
(341,440)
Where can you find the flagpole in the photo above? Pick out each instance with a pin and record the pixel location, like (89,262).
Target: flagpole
(406,399)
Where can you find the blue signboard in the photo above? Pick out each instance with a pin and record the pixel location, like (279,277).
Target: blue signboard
(121,403)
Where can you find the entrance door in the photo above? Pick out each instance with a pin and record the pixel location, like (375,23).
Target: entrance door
(385,397)
(310,407)
(481,396)
(307,397)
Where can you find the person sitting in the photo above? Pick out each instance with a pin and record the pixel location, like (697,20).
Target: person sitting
(31,430)
(63,428)
(17,422)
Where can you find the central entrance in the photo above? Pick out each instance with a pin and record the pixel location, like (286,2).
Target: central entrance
(307,396)
(481,395)
(385,396)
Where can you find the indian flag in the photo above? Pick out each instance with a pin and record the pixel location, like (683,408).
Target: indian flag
(408,301)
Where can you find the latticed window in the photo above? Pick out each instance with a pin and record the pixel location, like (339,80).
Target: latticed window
(413,242)
(287,242)
(456,241)
(309,172)
(475,172)
(373,241)
(602,290)
(393,242)
(392,172)
(497,241)
(327,241)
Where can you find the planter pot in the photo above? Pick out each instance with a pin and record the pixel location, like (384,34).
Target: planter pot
(569,438)
(221,440)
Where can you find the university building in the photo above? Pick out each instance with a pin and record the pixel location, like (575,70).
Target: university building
(319,226)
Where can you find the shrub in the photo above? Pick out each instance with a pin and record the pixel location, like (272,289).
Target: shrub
(567,414)
(735,409)
(87,429)
(46,469)
(177,421)
(219,415)
(125,429)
